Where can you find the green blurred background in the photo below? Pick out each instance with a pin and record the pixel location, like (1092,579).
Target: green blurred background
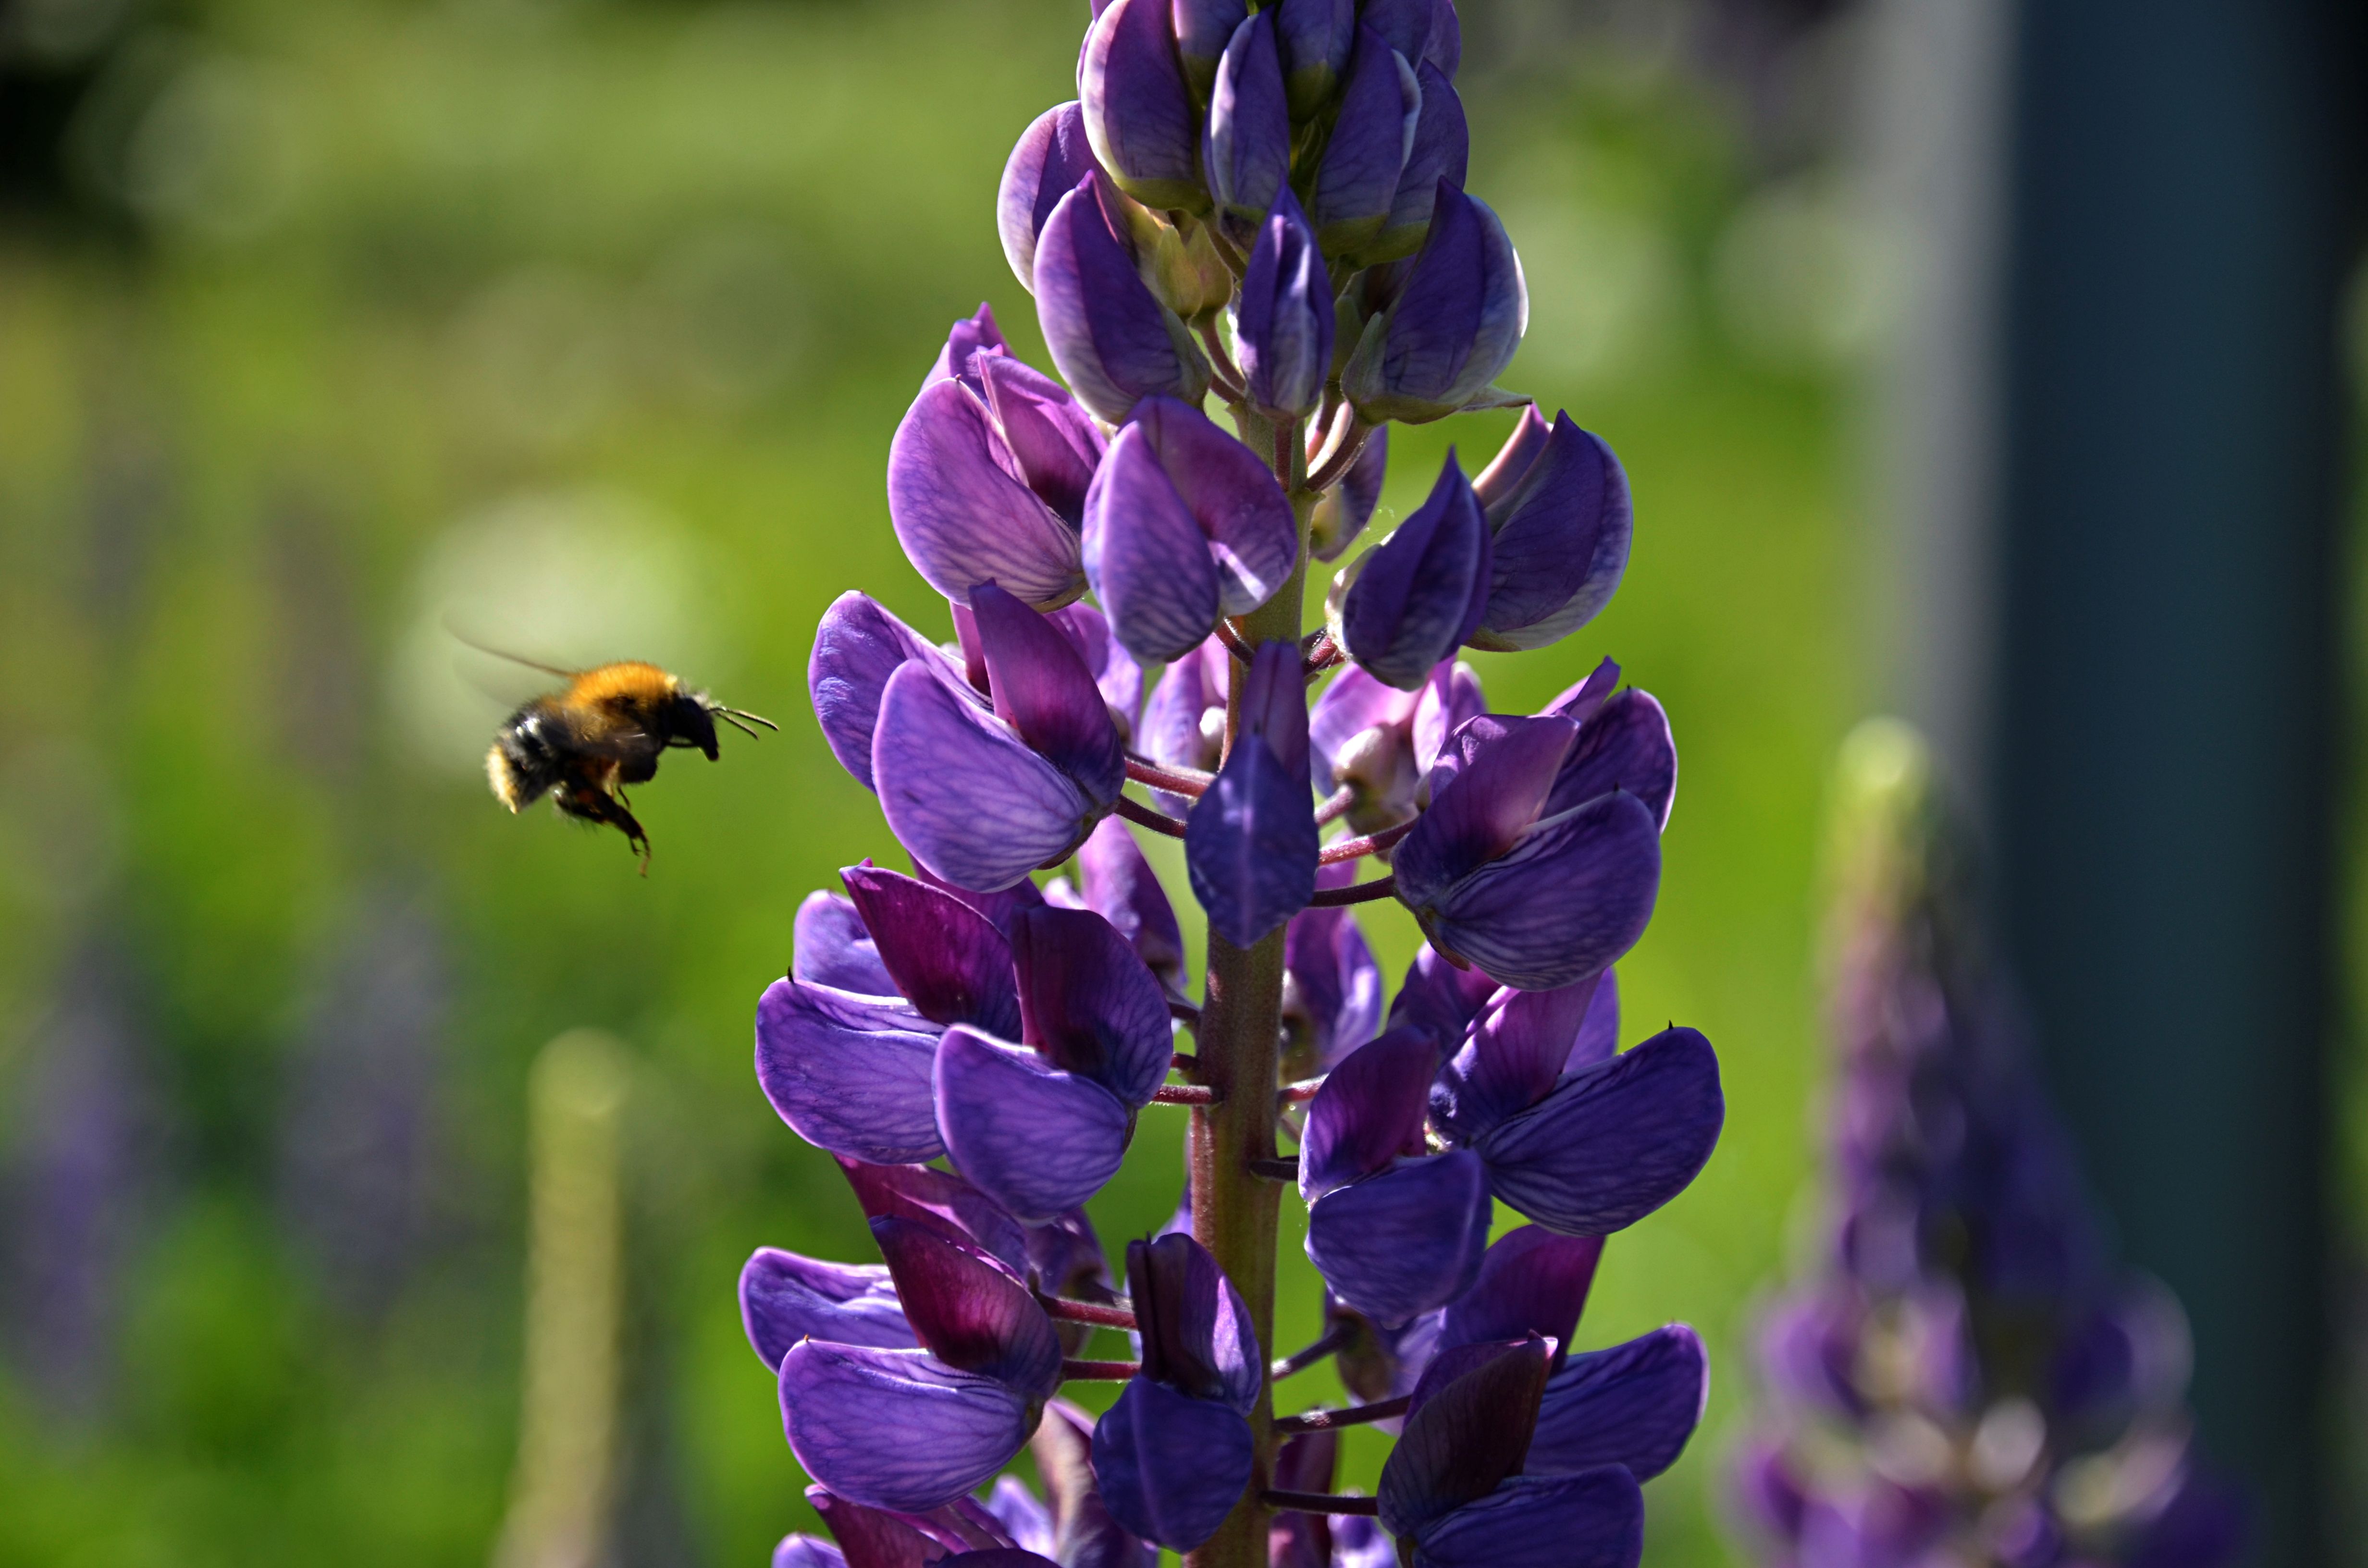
(583,328)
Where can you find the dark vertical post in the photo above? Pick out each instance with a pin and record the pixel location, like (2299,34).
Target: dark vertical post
(2164,705)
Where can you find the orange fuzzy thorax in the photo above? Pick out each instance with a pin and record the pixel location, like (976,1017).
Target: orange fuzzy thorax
(628,679)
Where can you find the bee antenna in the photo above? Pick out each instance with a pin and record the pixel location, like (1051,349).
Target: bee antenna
(733,716)
(463,638)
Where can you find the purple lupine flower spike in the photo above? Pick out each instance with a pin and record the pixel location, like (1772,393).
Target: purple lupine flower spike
(1138,105)
(1395,1233)
(1112,339)
(1183,525)
(1283,328)
(1174,1453)
(1247,152)
(1452,326)
(785,1298)
(960,512)
(1558,506)
(1042,767)
(1343,511)
(1250,843)
(1052,155)
(1420,595)
(1535,900)
(1357,183)
(1316,37)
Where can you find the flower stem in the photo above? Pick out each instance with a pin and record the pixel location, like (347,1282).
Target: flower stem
(1306,1356)
(1087,1312)
(1099,1371)
(1136,812)
(1363,892)
(1236,1212)
(1372,844)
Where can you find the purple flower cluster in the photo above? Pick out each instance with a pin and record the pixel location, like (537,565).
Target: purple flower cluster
(1266,208)
(1966,1378)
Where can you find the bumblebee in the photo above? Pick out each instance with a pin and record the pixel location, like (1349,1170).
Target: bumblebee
(609,727)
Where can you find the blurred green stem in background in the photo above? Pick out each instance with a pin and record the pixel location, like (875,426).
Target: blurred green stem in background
(567,1431)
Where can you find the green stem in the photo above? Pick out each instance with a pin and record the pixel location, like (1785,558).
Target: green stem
(1235,1211)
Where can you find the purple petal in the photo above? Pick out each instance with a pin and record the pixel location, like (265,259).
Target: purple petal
(1090,1005)
(807,1552)
(1626,745)
(1084,1534)
(1036,1139)
(1517,1050)
(1253,535)
(941,1200)
(999,907)
(1634,1404)
(1450,698)
(1598,1035)
(1465,1436)
(1453,325)
(831,947)
(1112,340)
(1438,997)
(1332,989)
(1614,1142)
(974,333)
(1405,25)
(1342,512)
(1306,1462)
(1283,327)
(1562,543)
(1531,1281)
(857,646)
(1250,845)
(1368,1111)
(1184,722)
(1482,810)
(1052,443)
(1202,29)
(1398,1245)
(785,1298)
(1120,886)
(1066,1257)
(943,956)
(967,1310)
(1501,480)
(1171,1467)
(1353,704)
(1446,50)
(1138,108)
(1441,151)
(848,1074)
(1357,179)
(1145,556)
(1052,157)
(1194,1327)
(1315,38)
(1043,690)
(1274,706)
(1566,902)
(1113,668)
(1417,595)
(961,519)
(963,792)
(870,1538)
(1581,702)
(1247,154)
(1592,1520)
(895,1429)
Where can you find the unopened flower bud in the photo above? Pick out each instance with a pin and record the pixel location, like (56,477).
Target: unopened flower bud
(1139,112)
(1415,598)
(1247,154)
(1113,340)
(1452,326)
(1357,183)
(1282,329)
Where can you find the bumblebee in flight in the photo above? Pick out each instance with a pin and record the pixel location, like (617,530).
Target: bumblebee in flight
(606,730)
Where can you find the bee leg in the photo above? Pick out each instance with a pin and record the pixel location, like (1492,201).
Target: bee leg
(589,803)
